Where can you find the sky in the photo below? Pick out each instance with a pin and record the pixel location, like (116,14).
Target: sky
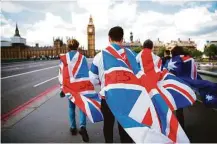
(40,21)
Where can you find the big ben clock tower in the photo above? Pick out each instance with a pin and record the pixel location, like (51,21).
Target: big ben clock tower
(91,38)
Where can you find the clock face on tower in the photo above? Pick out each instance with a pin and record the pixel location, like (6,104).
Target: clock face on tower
(90,30)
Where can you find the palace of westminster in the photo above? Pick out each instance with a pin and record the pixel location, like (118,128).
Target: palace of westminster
(17,48)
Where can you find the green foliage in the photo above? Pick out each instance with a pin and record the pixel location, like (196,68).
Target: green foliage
(136,49)
(97,51)
(210,51)
(161,51)
(193,52)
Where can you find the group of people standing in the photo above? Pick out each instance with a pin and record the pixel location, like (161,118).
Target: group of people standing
(151,65)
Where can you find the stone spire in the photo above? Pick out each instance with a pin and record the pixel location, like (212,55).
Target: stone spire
(17,31)
(90,20)
(131,37)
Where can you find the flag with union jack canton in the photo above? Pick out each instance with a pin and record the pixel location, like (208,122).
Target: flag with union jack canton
(184,67)
(143,114)
(77,86)
(176,92)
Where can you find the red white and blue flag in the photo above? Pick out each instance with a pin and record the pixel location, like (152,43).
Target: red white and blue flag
(184,68)
(149,62)
(176,92)
(77,86)
(143,113)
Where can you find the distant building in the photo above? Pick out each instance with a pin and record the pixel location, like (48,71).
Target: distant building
(15,40)
(132,43)
(157,45)
(210,43)
(16,48)
(5,43)
(91,38)
(137,43)
(187,44)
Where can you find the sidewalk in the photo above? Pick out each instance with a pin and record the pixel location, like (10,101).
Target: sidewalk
(46,121)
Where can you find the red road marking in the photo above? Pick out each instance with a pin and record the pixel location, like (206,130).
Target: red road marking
(20,108)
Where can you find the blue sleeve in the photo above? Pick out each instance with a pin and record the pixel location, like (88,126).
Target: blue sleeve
(94,69)
(94,72)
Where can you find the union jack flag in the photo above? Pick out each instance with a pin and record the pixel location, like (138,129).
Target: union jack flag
(143,114)
(77,86)
(149,62)
(176,92)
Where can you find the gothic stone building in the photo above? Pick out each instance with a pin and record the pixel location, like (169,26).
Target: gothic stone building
(132,43)
(157,45)
(17,48)
(137,43)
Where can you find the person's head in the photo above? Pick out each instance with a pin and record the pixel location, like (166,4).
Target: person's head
(177,50)
(73,44)
(167,53)
(116,35)
(148,44)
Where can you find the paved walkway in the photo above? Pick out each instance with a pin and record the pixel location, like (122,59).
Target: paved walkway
(46,121)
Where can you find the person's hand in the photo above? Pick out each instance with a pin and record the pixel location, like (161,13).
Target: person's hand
(62,94)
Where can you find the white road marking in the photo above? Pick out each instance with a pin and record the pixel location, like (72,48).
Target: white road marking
(27,72)
(28,64)
(45,81)
(202,102)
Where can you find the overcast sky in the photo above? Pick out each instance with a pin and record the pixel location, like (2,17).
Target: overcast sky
(38,22)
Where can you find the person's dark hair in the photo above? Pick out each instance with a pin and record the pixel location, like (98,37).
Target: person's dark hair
(178,50)
(167,52)
(148,44)
(116,33)
(73,44)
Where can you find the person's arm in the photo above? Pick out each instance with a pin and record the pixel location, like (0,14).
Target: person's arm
(60,77)
(138,60)
(94,71)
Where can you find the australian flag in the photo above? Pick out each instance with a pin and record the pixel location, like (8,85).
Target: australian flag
(77,86)
(185,68)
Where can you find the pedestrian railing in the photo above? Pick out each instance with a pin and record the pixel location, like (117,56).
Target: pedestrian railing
(208,73)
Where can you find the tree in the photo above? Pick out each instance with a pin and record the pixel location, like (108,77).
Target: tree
(137,49)
(193,52)
(97,51)
(210,51)
(161,51)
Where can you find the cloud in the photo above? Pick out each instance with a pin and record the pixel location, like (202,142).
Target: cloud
(194,19)
(171,2)
(45,30)
(7,28)
(11,7)
(71,19)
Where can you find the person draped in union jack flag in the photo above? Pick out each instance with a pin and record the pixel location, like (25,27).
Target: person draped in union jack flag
(97,74)
(69,62)
(129,96)
(151,62)
(184,67)
(174,91)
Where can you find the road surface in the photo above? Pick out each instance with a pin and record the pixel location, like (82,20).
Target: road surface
(21,81)
(24,80)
